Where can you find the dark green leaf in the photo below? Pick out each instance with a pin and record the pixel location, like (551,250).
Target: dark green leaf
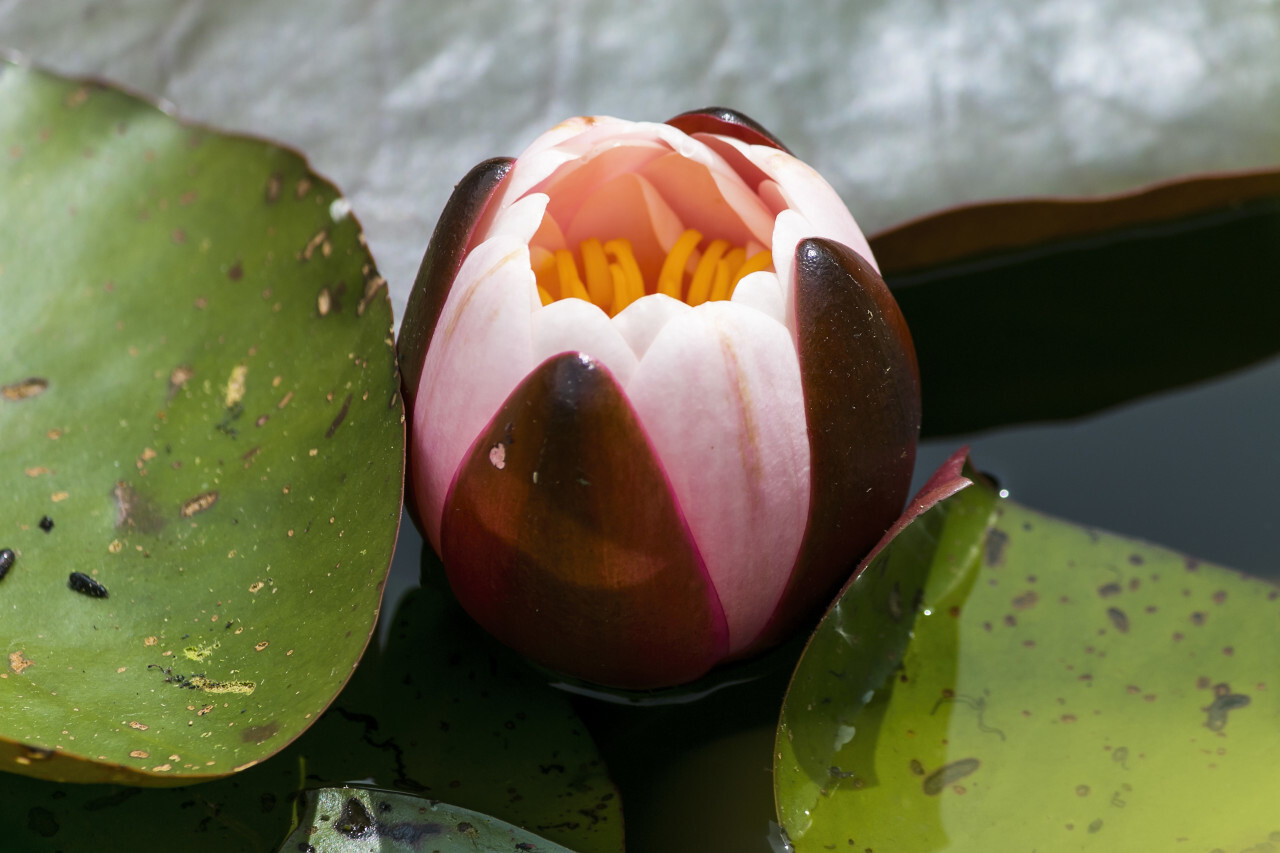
(1028,311)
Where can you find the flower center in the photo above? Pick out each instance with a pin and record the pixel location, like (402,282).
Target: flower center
(607,273)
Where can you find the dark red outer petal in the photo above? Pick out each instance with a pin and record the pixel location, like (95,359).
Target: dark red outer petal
(862,406)
(448,248)
(440,265)
(574,551)
(725,122)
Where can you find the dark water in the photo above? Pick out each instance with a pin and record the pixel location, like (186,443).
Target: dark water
(1197,470)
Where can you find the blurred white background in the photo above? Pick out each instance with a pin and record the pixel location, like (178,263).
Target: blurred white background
(905,106)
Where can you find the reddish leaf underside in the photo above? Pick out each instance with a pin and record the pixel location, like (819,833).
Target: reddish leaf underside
(561,537)
(971,230)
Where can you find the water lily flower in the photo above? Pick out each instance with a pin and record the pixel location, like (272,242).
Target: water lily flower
(661,400)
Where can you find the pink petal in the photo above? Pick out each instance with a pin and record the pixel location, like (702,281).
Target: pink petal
(571,134)
(771,196)
(574,325)
(788,230)
(734,159)
(531,170)
(663,136)
(809,194)
(719,396)
(640,322)
(557,147)
(599,132)
(763,292)
(718,205)
(549,236)
(571,185)
(481,349)
(628,206)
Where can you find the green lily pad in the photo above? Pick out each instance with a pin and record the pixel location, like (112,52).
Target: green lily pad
(200,396)
(1055,688)
(442,711)
(354,820)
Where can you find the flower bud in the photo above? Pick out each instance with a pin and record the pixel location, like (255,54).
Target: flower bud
(662,401)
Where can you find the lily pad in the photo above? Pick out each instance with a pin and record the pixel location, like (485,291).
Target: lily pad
(1054,687)
(443,711)
(201,431)
(354,820)
(1102,300)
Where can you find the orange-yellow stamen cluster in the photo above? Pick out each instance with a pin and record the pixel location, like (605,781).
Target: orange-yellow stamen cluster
(607,273)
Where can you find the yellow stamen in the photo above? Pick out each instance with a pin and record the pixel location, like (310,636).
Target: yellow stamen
(671,279)
(599,281)
(720,289)
(759,261)
(621,252)
(613,279)
(570,284)
(735,258)
(704,275)
(621,297)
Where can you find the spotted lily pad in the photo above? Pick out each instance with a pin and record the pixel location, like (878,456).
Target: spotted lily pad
(442,711)
(203,442)
(353,820)
(999,679)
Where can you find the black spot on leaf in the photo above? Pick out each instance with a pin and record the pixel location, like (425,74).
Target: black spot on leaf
(85,585)
(355,820)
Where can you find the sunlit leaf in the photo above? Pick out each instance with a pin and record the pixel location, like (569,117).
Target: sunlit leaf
(200,416)
(1056,687)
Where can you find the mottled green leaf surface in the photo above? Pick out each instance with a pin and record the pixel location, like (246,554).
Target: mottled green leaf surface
(354,820)
(442,711)
(1059,689)
(199,393)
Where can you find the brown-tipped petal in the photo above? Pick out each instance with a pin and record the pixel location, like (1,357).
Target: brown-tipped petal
(725,122)
(444,256)
(862,404)
(561,537)
(440,264)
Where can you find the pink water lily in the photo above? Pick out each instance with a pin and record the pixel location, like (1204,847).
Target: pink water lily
(661,399)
